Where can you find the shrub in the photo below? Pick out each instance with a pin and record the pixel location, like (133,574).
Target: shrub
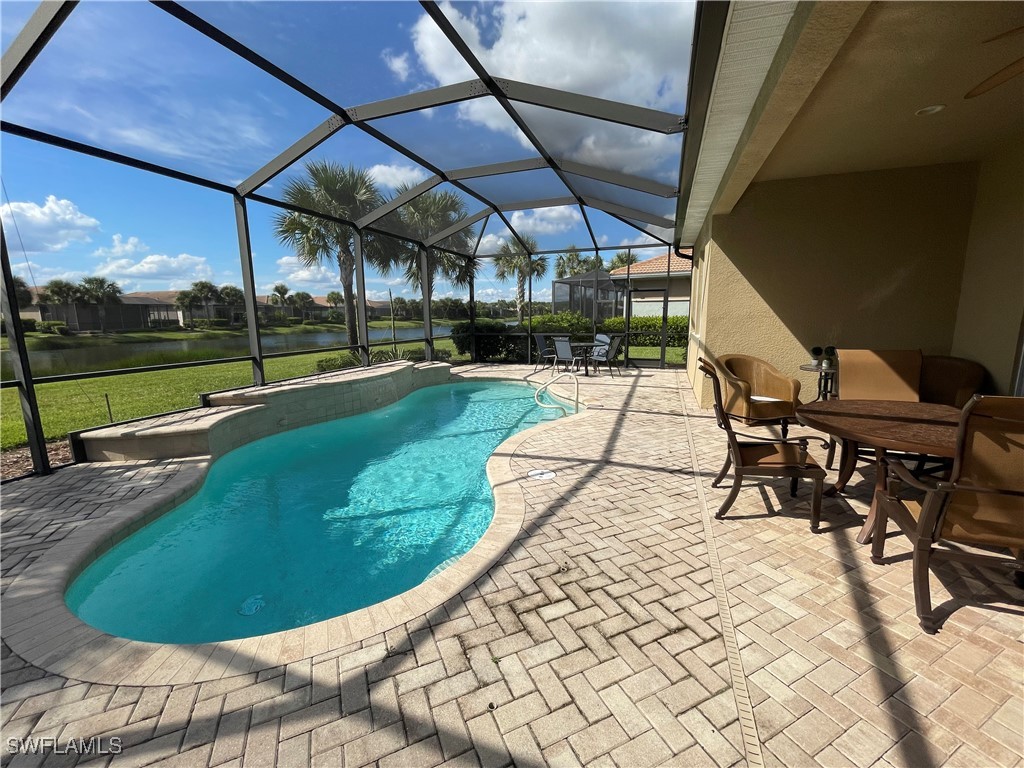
(53,326)
(29,324)
(294,321)
(492,339)
(334,316)
(206,324)
(572,323)
(337,362)
(384,355)
(646,331)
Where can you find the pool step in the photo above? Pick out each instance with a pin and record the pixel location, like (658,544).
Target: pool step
(172,436)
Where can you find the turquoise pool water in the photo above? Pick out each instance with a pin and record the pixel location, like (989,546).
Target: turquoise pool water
(312,523)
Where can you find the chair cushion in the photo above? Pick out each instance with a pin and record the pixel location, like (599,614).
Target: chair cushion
(770,408)
(775,455)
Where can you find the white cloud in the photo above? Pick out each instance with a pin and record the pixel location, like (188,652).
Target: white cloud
(372,295)
(640,238)
(50,227)
(394,176)
(300,277)
(179,270)
(491,244)
(398,64)
(493,294)
(618,51)
(541,294)
(40,274)
(122,248)
(546,221)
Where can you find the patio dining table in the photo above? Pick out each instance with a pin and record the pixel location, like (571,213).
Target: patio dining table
(885,425)
(587,348)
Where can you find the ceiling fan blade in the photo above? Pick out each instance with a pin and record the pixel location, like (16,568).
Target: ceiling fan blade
(1008,33)
(1006,73)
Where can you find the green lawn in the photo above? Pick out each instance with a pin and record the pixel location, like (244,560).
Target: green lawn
(674,356)
(70,405)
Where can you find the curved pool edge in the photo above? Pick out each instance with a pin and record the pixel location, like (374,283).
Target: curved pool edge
(42,630)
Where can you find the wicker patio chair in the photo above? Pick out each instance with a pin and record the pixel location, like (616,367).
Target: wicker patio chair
(757,393)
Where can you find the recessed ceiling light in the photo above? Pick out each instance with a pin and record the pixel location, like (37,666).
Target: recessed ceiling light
(930,110)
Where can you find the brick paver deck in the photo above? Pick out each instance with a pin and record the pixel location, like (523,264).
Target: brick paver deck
(624,627)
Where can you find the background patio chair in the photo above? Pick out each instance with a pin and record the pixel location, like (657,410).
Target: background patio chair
(950,380)
(545,353)
(757,393)
(879,374)
(606,354)
(981,505)
(876,374)
(564,353)
(763,458)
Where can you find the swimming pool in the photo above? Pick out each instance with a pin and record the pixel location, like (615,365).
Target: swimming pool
(312,523)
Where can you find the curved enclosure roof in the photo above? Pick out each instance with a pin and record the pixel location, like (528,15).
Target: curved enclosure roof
(555,123)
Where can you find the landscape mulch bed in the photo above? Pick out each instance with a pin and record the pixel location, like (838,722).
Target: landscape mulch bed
(18,461)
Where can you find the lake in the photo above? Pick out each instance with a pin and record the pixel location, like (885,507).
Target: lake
(114,356)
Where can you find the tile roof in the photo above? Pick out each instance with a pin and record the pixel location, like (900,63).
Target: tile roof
(658,264)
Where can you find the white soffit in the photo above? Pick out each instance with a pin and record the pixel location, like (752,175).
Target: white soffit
(752,36)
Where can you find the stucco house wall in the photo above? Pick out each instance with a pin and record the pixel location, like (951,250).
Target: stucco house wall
(870,259)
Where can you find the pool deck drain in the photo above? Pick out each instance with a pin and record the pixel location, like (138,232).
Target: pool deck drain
(597,638)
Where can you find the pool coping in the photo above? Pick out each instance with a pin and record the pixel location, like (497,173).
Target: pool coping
(40,628)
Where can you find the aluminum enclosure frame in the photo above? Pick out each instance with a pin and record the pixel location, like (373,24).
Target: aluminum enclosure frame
(49,17)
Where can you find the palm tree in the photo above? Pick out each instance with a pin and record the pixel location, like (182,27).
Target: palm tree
(424,216)
(100,291)
(572,262)
(232,297)
(279,295)
(335,299)
(206,293)
(343,192)
(512,261)
(185,301)
(302,301)
(22,292)
(623,259)
(60,292)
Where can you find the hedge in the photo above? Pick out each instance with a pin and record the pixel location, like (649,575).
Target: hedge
(492,342)
(497,341)
(646,331)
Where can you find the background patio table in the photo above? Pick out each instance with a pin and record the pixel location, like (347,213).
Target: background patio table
(587,347)
(925,428)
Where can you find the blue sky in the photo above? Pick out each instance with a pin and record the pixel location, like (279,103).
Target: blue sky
(127,77)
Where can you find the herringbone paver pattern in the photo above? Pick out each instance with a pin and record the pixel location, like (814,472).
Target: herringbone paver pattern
(597,639)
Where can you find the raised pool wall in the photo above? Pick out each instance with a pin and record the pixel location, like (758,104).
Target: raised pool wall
(241,416)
